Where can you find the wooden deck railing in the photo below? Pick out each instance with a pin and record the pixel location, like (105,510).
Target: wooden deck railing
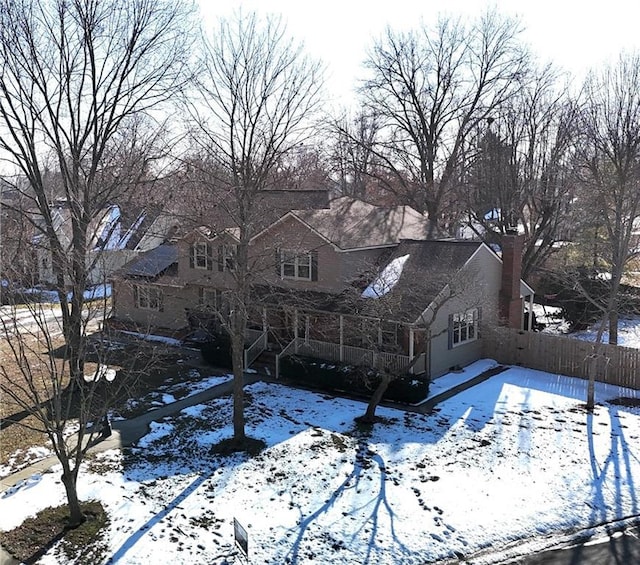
(344,353)
(258,345)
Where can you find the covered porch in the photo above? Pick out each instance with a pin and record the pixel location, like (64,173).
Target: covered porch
(333,337)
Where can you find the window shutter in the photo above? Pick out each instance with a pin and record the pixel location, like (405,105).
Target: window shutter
(277,260)
(479,315)
(209,257)
(136,302)
(314,265)
(192,253)
(450,332)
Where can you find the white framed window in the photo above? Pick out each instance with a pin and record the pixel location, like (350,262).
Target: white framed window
(463,327)
(148,297)
(227,257)
(295,265)
(200,255)
(389,334)
(209,297)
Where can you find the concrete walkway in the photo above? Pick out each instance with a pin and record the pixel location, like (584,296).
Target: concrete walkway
(128,432)
(124,433)
(429,405)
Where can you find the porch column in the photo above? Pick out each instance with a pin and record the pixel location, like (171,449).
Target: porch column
(341,337)
(264,319)
(295,329)
(411,350)
(530,324)
(306,329)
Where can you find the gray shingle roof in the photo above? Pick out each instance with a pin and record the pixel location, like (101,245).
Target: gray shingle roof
(354,224)
(430,266)
(152,263)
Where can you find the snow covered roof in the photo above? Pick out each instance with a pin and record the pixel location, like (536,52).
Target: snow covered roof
(387,279)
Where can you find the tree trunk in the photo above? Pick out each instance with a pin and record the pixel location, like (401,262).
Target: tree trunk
(69,480)
(370,415)
(613,327)
(237,357)
(593,364)
(591,387)
(432,219)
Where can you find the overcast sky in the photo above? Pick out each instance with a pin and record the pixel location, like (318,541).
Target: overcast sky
(339,32)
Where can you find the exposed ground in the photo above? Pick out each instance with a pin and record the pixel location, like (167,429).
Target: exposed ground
(512,461)
(149,371)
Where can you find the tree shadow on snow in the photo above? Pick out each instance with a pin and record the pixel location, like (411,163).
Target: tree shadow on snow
(156,519)
(364,460)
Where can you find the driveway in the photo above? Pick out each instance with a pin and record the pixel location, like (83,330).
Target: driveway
(621,548)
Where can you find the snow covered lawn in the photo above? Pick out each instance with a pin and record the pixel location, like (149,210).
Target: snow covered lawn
(513,458)
(628,332)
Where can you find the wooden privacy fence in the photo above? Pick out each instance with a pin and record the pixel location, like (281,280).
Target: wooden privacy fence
(562,355)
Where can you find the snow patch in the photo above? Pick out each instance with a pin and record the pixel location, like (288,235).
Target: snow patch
(387,279)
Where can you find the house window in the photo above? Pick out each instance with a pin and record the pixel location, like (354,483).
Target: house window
(296,265)
(200,256)
(148,297)
(227,257)
(209,297)
(388,334)
(463,327)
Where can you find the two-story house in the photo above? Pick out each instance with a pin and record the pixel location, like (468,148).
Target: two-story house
(114,237)
(351,282)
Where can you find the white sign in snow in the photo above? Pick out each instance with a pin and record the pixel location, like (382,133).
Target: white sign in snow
(241,538)
(387,279)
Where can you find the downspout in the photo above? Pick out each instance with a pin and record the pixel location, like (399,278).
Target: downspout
(341,338)
(411,348)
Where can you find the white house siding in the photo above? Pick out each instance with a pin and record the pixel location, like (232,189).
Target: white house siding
(481,291)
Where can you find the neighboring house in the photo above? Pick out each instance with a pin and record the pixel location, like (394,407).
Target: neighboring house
(114,238)
(352,282)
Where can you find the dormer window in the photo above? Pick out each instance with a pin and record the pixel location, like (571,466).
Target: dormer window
(201,256)
(227,257)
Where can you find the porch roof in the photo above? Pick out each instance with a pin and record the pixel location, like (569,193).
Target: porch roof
(429,267)
(152,263)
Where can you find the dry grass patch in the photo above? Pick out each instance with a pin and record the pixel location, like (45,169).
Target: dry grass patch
(35,536)
(18,431)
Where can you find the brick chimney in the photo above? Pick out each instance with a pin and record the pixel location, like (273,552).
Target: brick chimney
(510,304)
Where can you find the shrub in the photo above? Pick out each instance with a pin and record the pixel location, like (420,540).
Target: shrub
(336,376)
(217,352)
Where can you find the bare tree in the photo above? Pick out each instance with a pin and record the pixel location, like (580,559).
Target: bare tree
(448,287)
(34,379)
(429,89)
(78,78)
(609,154)
(352,154)
(257,96)
(521,173)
